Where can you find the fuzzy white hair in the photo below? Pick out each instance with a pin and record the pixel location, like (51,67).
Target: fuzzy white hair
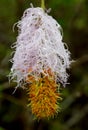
(39,46)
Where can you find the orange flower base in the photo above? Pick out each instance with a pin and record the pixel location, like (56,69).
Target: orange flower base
(43,96)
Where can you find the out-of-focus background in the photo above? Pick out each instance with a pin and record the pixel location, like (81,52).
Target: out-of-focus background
(14,114)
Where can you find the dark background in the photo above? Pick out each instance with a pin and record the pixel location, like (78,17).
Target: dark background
(72,15)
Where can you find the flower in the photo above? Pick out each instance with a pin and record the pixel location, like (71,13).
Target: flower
(40,60)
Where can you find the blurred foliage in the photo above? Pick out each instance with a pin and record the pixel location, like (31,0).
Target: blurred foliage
(73,17)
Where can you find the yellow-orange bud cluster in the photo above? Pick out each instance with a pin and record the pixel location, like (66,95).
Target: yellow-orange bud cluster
(43,95)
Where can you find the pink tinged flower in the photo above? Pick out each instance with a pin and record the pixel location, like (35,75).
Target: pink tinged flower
(39,46)
(40,60)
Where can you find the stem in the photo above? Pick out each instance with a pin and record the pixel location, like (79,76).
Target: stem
(43,4)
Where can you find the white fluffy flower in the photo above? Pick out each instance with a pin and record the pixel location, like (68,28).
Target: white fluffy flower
(39,46)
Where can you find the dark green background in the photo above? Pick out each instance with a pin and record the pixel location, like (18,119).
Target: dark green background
(73,17)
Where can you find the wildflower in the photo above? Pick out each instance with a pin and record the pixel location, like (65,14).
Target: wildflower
(40,60)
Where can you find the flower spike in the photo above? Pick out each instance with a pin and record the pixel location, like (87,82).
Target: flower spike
(40,61)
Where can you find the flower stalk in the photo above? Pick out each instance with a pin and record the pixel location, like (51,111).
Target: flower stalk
(43,4)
